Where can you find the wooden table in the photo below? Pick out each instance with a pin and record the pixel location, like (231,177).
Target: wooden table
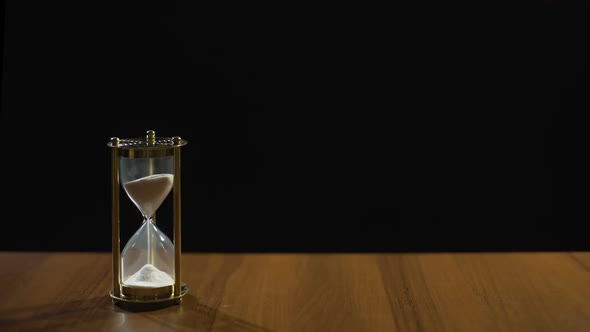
(309,292)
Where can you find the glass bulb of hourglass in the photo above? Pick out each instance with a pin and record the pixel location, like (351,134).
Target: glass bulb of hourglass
(149,192)
(147,258)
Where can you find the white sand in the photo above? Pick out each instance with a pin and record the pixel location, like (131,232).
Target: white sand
(149,192)
(149,276)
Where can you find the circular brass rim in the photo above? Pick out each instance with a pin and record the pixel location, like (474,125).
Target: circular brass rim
(141,148)
(147,292)
(131,299)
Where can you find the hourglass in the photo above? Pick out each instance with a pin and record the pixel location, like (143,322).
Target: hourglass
(147,270)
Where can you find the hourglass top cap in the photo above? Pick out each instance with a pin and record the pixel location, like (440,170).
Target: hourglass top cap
(149,146)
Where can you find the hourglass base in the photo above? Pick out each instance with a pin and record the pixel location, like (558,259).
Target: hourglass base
(148,298)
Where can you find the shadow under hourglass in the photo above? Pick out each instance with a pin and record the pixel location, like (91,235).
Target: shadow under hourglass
(196,315)
(99,311)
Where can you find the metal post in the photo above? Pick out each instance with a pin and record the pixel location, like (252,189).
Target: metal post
(177,217)
(115,219)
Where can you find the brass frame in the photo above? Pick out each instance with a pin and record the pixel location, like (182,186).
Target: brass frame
(151,147)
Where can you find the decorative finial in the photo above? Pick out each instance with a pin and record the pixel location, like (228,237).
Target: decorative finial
(115,141)
(150,137)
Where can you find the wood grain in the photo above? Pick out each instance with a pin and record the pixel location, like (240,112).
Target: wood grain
(310,292)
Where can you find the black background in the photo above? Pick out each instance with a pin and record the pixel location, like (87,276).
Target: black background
(312,127)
